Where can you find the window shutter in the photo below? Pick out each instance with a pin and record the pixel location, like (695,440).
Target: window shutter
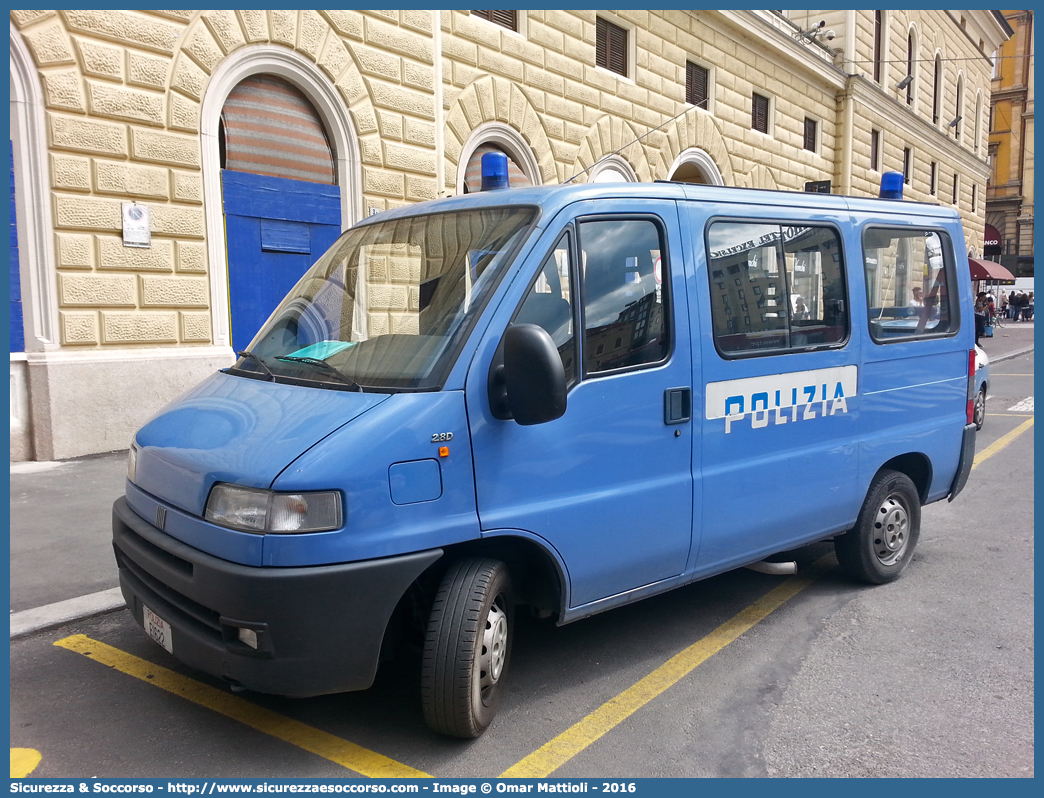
(610,47)
(504,18)
(696,88)
(810,134)
(759,113)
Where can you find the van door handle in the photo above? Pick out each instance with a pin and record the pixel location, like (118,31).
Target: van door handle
(677,405)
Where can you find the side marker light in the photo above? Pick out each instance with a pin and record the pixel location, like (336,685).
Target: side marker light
(443,451)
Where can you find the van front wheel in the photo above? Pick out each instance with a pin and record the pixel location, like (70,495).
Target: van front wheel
(467,647)
(879,546)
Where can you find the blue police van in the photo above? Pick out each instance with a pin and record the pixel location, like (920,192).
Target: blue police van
(568,397)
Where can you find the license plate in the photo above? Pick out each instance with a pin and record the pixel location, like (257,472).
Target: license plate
(157,628)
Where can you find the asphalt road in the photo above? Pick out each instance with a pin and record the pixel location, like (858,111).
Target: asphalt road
(931,675)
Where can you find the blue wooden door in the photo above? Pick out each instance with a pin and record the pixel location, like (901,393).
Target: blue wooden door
(17,332)
(275,228)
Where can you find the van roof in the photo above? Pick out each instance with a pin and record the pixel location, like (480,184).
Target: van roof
(551,199)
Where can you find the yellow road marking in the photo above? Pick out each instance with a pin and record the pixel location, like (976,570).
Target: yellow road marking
(349,755)
(23,762)
(552,755)
(1001,442)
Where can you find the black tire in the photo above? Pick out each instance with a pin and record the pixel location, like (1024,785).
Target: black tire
(467,647)
(878,547)
(980,408)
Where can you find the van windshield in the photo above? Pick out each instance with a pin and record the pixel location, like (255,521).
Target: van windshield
(389,305)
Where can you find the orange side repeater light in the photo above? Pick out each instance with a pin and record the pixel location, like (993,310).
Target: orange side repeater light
(443,451)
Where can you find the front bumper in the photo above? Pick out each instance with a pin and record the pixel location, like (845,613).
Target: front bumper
(319,629)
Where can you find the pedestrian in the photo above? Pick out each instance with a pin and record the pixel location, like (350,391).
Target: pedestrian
(1004,304)
(1027,314)
(981,309)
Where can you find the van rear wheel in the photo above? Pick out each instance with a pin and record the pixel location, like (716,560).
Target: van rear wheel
(467,647)
(878,547)
(980,408)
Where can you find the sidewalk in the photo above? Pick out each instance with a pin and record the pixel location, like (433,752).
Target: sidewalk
(1014,338)
(62,566)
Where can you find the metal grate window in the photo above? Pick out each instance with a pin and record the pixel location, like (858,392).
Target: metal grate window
(504,18)
(759,114)
(611,47)
(810,134)
(269,127)
(697,84)
(932,177)
(906,165)
(875,150)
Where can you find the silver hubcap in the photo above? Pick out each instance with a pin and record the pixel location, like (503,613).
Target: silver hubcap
(494,647)
(980,408)
(891,531)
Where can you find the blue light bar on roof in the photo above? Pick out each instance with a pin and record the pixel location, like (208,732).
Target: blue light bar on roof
(892,185)
(494,171)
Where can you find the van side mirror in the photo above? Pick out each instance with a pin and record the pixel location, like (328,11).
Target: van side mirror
(530,386)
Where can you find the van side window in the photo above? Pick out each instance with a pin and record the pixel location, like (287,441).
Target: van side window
(906,283)
(789,293)
(549,303)
(624,268)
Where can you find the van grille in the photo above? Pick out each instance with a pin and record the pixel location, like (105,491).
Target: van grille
(178,601)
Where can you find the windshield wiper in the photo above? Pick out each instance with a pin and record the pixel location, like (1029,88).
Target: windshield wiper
(314,361)
(268,372)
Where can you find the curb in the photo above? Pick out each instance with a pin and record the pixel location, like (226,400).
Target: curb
(1010,355)
(62,612)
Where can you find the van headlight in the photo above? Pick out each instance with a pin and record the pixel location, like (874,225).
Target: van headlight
(265,511)
(132,462)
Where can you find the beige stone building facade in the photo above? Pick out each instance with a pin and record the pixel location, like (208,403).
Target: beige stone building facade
(116,107)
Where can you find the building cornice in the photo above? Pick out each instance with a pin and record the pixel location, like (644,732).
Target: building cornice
(782,48)
(921,133)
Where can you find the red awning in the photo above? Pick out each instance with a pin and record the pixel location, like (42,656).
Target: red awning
(990,270)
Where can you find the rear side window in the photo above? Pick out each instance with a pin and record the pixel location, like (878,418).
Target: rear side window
(908,275)
(776,287)
(623,274)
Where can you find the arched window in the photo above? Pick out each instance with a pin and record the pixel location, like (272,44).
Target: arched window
(523,169)
(269,127)
(936,89)
(978,121)
(612,169)
(473,173)
(911,62)
(878,44)
(958,111)
(695,166)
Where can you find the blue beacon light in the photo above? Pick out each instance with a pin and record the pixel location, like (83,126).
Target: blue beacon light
(891,185)
(494,171)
